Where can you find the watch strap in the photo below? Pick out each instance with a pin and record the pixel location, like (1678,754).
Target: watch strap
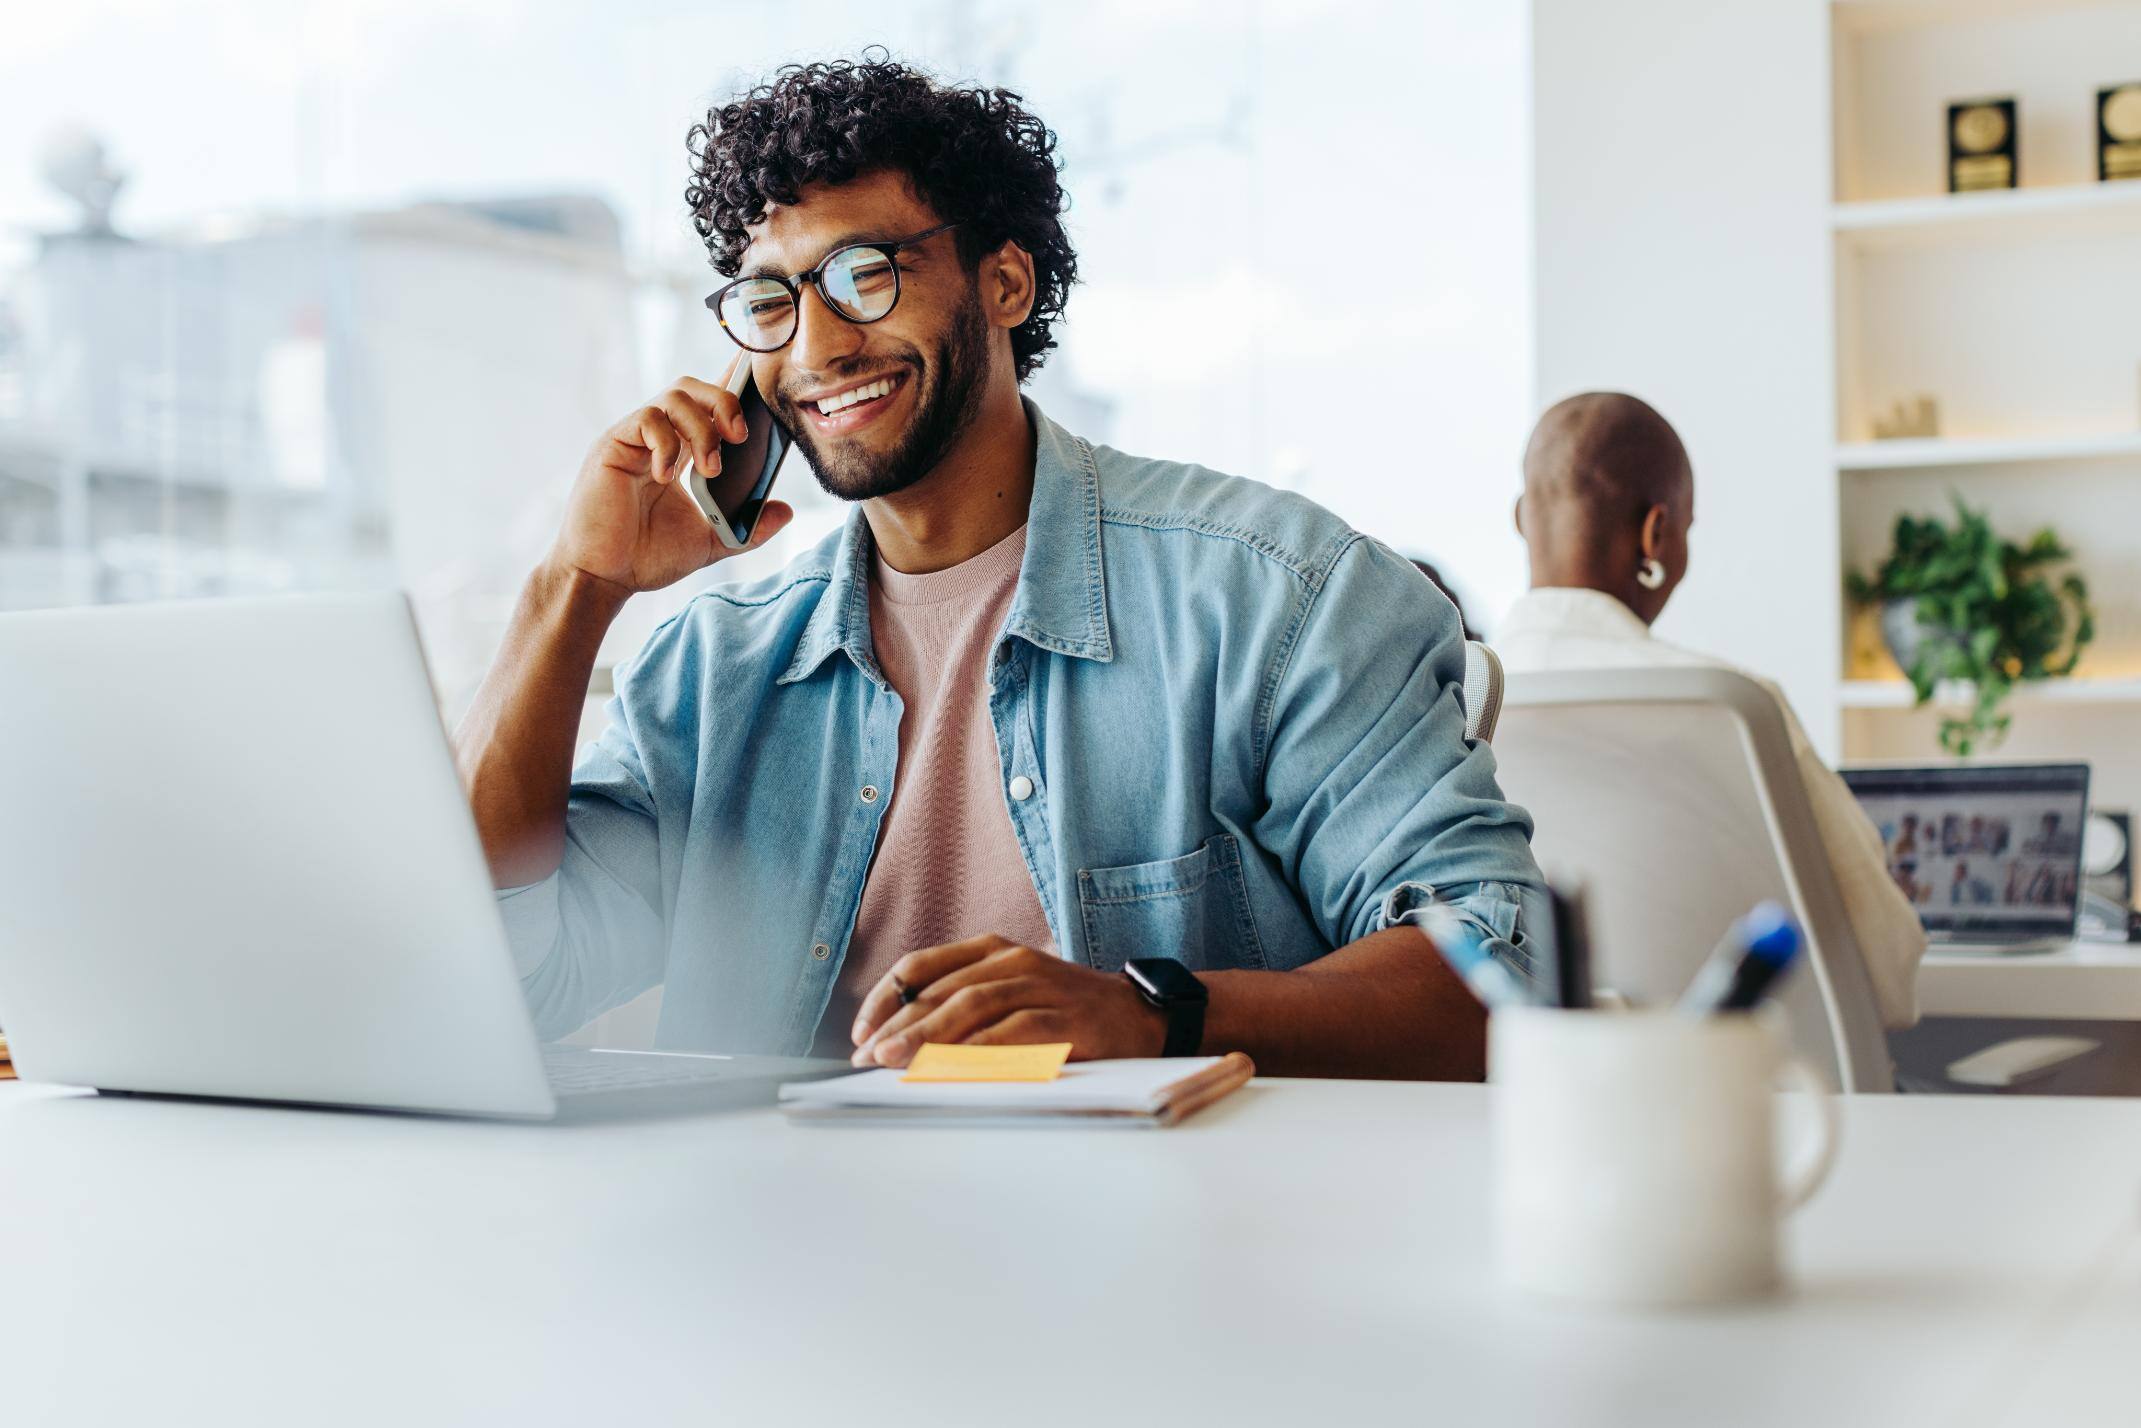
(1169,986)
(1185,1028)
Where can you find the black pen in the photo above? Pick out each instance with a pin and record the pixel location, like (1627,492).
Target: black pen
(1572,950)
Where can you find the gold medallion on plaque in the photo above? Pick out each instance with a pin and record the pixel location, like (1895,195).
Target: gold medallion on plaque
(2118,131)
(1981,145)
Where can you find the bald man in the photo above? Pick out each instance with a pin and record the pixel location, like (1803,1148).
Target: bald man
(1609,496)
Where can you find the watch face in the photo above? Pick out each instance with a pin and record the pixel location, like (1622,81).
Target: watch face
(1166,979)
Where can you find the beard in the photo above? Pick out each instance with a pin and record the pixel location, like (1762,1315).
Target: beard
(947,396)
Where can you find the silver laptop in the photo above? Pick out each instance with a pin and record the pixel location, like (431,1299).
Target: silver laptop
(1989,854)
(236,861)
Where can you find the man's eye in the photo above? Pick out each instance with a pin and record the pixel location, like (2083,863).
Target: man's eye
(868,267)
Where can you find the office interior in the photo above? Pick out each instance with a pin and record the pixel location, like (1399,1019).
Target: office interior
(331,298)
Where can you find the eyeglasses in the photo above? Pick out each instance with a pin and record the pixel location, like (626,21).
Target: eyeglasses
(861,282)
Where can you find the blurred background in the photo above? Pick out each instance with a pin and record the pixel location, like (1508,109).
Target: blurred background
(332,296)
(336,295)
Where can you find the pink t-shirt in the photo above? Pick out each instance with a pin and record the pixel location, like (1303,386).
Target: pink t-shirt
(948,864)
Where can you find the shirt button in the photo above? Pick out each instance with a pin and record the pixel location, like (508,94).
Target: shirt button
(1021,789)
(869,793)
(821,951)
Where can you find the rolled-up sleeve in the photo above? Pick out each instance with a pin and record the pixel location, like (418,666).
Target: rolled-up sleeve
(1377,804)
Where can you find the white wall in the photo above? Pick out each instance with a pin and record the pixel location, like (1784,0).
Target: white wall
(1680,201)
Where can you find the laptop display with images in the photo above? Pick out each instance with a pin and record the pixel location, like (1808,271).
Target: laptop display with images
(1987,853)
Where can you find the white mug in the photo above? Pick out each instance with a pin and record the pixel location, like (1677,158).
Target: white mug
(1635,1153)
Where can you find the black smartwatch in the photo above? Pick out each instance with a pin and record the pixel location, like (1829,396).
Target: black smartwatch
(1170,986)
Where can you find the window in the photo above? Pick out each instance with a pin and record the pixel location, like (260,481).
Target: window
(369,300)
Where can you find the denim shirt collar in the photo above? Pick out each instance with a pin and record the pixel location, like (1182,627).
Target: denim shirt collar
(1061,604)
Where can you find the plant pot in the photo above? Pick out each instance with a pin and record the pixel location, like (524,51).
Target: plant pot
(1906,635)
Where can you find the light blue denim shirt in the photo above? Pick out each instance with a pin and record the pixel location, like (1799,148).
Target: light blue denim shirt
(1239,719)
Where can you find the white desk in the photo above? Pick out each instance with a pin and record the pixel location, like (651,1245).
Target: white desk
(1306,1253)
(2086,981)
(2067,1383)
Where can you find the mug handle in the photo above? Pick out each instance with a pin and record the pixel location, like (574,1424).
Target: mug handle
(1800,1185)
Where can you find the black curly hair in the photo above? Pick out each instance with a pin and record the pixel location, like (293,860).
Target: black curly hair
(974,155)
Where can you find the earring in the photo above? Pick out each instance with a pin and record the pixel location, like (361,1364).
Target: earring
(1650,575)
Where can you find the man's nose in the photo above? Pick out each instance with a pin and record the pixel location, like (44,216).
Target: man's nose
(822,336)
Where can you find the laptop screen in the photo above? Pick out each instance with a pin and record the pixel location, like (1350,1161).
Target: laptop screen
(1984,852)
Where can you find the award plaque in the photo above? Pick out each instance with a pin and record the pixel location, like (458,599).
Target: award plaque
(2118,131)
(1981,145)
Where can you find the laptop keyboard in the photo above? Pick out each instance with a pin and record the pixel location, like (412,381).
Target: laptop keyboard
(573,1070)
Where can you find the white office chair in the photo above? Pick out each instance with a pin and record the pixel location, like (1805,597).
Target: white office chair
(1673,796)
(1482,691)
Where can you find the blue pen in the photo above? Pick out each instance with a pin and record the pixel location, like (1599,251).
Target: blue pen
(1466,951)
(1753,954)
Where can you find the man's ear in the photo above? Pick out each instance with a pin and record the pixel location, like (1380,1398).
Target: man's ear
(1516,516)
(1007,288)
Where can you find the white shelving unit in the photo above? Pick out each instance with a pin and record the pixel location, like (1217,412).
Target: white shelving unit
(2018,312)
(1935,452)
(1896,693)
(2009,216)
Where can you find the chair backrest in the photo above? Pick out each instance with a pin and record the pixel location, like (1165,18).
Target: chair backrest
(1673,795)
(1482,691)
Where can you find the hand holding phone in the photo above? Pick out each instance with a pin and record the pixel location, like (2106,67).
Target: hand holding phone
(631,523)
(733,497)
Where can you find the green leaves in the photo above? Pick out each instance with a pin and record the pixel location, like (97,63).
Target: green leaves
(1991,613)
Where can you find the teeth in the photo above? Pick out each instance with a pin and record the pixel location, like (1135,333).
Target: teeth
(881,387)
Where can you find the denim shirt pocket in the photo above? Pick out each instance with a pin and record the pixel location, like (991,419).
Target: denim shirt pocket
(1194,908)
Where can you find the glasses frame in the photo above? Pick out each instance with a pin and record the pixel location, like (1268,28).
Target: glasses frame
(813,278)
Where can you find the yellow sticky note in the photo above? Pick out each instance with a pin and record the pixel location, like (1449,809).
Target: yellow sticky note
(936,1062)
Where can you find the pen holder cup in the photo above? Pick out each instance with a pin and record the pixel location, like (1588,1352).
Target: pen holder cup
(1635,1153)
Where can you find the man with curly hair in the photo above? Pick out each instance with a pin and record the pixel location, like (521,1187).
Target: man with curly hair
(1047,744)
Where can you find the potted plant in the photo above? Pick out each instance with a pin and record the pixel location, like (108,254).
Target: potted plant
(1958,603)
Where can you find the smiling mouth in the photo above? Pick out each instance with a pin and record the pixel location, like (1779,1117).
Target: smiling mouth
(854,405)
(871,391)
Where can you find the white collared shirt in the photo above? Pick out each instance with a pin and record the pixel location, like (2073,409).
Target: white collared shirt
(1561,629)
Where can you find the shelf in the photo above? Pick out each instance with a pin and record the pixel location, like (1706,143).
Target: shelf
(1896,694)
(1968,217)
(1869,17)
(1920,453)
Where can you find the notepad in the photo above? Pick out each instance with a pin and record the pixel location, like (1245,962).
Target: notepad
(1153,1092)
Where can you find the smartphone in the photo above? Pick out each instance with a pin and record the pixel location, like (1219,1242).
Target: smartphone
(732,497)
